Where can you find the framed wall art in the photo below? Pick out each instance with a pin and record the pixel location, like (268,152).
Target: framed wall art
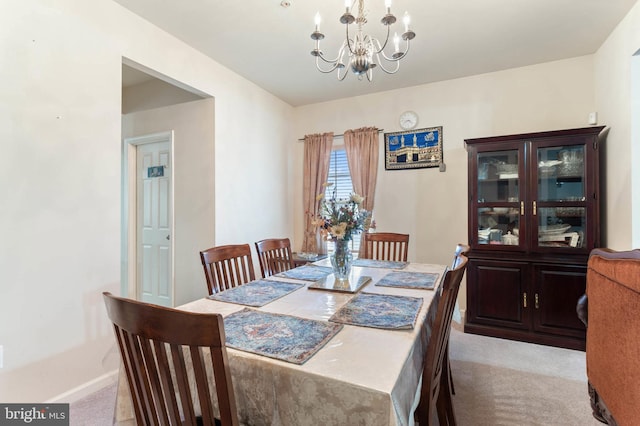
(413,149)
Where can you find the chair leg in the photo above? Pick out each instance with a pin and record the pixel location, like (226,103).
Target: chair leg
(446,415)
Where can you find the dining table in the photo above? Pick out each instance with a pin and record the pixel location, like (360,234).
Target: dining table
(361,351)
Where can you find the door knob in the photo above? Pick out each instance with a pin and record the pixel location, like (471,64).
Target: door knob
(168,237)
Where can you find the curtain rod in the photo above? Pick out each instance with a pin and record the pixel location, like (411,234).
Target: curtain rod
(341,135)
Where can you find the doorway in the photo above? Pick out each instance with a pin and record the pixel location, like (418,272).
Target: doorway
(154,105)
(149,198)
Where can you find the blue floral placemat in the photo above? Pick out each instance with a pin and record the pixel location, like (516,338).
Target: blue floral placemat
(420,280)
(380,311)
(256,293)
(306,273)
(278,336)
(373,263)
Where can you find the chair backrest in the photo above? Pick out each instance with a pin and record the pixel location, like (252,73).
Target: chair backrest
(274,255)
(156,344)
(461,249)
(385,246)
(227,266)
(436,359)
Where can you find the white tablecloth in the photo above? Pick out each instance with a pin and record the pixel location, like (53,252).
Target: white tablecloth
(363,376)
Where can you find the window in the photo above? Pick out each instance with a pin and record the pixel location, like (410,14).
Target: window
(340,177)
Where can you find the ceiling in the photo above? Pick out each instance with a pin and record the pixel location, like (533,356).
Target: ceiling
(270,44)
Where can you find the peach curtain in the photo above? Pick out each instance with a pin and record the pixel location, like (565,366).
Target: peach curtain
(317,155)
(362,150)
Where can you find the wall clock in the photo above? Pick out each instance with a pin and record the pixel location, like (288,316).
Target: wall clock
(408,120)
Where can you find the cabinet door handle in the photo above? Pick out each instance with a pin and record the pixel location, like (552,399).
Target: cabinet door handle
(521,208)
(524,300)
(534,208)
(537,302)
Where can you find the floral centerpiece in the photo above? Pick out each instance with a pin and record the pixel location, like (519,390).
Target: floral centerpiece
(339,221)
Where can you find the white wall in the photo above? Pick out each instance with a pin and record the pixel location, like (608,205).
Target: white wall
(60,178)
(192,124)
(613,88)
(428,204)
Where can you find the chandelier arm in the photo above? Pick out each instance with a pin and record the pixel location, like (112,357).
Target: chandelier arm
(327,71)
(382,67)
(405,52)
(348,41)
(386,40)
(344,73)
(338,56)
(336,63)
(379,51)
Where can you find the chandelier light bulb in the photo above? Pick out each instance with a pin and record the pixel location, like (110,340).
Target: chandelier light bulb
(407,20)
(396,42)
(317,20)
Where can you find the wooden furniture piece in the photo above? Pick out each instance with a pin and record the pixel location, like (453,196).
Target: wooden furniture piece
(227,266)
(274,255)
(436,385)
(339,387)
(610,312)
(461,250)
(153,343)
(385,246)
(533,219)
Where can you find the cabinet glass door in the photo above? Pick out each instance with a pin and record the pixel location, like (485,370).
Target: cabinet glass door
(498,205)
(560,200)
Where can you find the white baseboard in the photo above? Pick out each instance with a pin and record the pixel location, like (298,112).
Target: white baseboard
(85,389)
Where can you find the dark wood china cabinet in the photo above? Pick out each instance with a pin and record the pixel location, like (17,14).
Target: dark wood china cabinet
(533,219)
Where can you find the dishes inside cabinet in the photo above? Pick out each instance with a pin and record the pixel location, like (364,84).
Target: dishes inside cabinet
(510,239)
(560,228)
(505,168)
(483,235)
(548,168)
(570,211)
(572,163)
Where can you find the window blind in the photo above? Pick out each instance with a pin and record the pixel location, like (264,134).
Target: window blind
(342,188)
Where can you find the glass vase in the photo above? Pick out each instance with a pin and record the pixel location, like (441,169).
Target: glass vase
(341,260)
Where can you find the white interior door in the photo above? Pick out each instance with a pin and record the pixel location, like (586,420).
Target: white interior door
(154,223)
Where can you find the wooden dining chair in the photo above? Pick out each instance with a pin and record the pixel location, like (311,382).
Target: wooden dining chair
(227,266)
(385,246)
(156,344)
(461,249)
(436,387)
(274,255)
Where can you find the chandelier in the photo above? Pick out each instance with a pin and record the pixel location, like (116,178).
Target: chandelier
(361,51)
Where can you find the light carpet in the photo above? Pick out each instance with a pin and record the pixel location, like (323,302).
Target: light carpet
(501,382)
